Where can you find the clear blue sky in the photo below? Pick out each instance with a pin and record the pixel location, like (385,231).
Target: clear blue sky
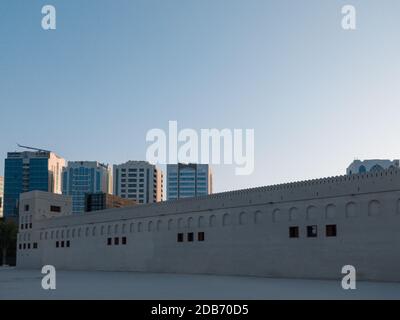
(316,95)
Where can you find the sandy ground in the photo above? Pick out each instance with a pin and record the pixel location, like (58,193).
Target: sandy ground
(26,284)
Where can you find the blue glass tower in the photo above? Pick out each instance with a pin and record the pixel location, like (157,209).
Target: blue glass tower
(29,171)
(85,177)
(188,180)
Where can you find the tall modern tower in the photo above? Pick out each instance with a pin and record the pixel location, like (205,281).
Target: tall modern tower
(1,196)
(29,171)
(188,180)
(83,177)
(139,181)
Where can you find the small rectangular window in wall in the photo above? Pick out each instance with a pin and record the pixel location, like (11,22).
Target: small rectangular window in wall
(190,236)
(312,231)
(22,227)
(24,245)
(29,245)
(109,241)
(55,209)
(57,244)
(35,245)
(20,246)
(124,240)
(180,237)
(331,230)
(62,244)
(30,226)
(294,232)
(116,241)
(200,236)
(27,207)
(68,244)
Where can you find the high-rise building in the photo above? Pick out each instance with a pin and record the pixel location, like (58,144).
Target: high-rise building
(82,177)
(376,165)
(1,196)
(139,181)
(188,180)
(102,201)
(30,171)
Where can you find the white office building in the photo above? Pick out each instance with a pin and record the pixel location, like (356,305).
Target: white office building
(139,181)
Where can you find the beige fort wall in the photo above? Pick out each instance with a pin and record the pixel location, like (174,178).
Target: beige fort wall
(246,232)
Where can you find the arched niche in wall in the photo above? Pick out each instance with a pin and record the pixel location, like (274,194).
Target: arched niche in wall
(374,208)
(330,211)
(190,222)
(280,215)
(226,219)
(159,225)
(398,207)
(116,229)
(312,213)
(293,214)
(170,224)
(276,215)
(180,223)
(101,231)
(131,227)
(213,221)
(201,222)
(140,227)
(123,228)
(351,210)
(257,217)
(150,226)
(243,218)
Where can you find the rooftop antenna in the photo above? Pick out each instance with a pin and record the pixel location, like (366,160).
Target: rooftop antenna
(31,148)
